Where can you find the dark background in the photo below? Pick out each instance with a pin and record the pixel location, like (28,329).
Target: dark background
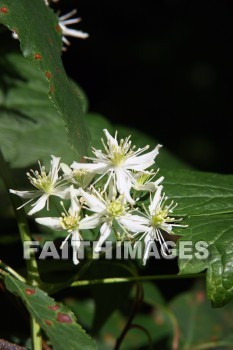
(164,67)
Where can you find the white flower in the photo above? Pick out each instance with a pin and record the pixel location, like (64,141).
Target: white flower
(46,184)
(156,219)
(47,1)
(71,221)
(108,211)
(119,161)
(80,177)
(66,20)
(144,181)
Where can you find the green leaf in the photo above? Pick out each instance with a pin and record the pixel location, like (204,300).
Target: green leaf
(43,48)
(217,232)
(206,202)
(200,326)
(54,318)
(30,128)
(199,193)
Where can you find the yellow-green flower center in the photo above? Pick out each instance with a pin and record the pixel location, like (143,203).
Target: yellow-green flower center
(79,174)
(118,156)
(116,208)
(69,222)
(143,178)
(41,181)
(159,218)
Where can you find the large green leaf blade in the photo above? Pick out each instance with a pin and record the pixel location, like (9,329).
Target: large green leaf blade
(198,193)
(217,232)
(40,39)
(200,326)
(55,319)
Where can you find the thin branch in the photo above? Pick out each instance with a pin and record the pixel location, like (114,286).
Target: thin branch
(113,280)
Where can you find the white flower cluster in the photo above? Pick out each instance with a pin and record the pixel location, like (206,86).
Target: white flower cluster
(108,192)
(63,22)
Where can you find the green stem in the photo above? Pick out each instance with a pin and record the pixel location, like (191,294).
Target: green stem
(32,268)
(144,330)
(36,335)
(12,272)
(133,279)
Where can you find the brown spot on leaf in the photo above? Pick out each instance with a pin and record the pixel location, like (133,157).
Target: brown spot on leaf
(51,90)
(30,291)
(200,296)
(48,75)
(4,10)
(64,318)
(54,307)
(49,323)
(159,320)
(58,28)
(38,56)
(213,338)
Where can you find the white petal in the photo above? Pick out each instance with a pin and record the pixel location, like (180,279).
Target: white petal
(111,140)
(68,15)
(53,223)
(39,205)
(26,194)
(93,202)
(66,169)
(98,168)
(148,242)
(135,223)
(105,231)
(74,205)
(54,168)
(142,162)
(73,32)
(90,222)
(62,192)
(75,240)
(123,184)
(149,186)
(156,199)
(75,243)
(166,227)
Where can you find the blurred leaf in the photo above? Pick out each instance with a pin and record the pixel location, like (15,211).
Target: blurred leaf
(156,322)
(152,294)
(105,303)
(55,319)
(84,310)
(43,48)
(200,326)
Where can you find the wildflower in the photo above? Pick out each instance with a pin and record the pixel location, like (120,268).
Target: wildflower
(46,184)
(119,161)
(66,20)
(144,181)
(109,211)
(70,221)
(155,219)
(80,177)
